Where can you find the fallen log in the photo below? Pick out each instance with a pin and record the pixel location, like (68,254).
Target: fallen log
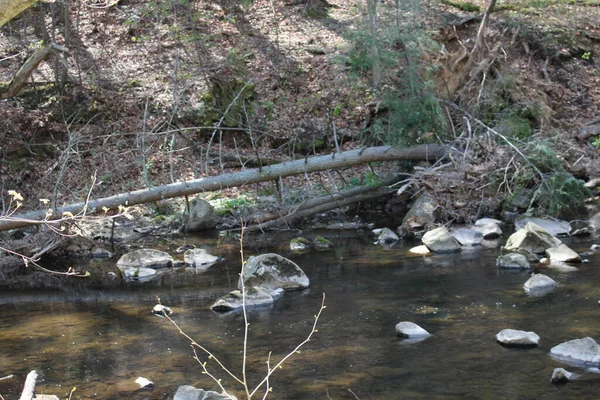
(322,204)
(29,387)
(241,178)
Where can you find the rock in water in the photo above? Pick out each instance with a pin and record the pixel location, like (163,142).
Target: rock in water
(561,375)
(299,244)
(421,250)
(579,351)
(554,227)
(512,261)
(422,215)
(145,258)
(322,243)
(562,253)
(199,259)
(255,297)
(490,231)
(539,285)
(385,236)
(440,240)
(271,271)
(517,338)
(144,383)
(201,216)
(191,393)
(160,311)
(411,330)
(531,238)
(468,236)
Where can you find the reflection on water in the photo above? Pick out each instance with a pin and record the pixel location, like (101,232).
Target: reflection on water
(100,341)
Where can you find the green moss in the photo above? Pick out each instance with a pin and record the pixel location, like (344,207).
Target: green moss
(230,98)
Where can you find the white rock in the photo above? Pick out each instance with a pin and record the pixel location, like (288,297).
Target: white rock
(562,267)
(410,330)
(539,284)
(255,297)
(272,271)
(561,375)
(532,238)
(199,259)
(386,236)
(440,240)
(562,253)
(191,393)
(421,250)
(139,274)
(160,311)
(513,337)
(144,383)
(595,247)
(579,351)
(486,221)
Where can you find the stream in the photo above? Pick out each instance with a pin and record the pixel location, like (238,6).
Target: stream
(101,340)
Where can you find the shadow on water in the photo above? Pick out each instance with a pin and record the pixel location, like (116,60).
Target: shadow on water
(101,340)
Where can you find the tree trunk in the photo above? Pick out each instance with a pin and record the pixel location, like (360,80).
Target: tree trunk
(241,178)
(14,87)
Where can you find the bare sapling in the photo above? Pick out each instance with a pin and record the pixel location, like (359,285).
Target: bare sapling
(262,388)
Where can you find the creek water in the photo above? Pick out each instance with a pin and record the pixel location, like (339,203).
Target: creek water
(100,341)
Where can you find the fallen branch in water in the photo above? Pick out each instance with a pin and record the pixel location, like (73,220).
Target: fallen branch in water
(29,387)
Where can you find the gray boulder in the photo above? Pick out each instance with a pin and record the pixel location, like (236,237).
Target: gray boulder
(580,228)
(554,227)
(490,231)
(422,216)
(517,338)
(201,216)
(440,240)
(99,252)
(409,330)
(512,261)
(562,253)
(539,285)
(191,393)
(594,222)
(145,258)
(532,238)
(385,236)
(199,259)
(561,267)
(272,271)
(468,236)
(255,297)
(579,351)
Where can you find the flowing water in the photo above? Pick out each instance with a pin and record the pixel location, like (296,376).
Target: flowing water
(100,341)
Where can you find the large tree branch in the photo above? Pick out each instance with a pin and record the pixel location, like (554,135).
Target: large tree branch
(241,178)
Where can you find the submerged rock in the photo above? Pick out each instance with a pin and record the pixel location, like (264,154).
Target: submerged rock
(532,238)
(271,271)
(555,227)
(512,261)
(299,244)
(139,274)
(487,221)
(145,258)
(579,351)
(255,297)
(539,285)
(561,375)
(322,243)
(517,338)
(199,259)
(440,240)
(99,252)
(561,267)
(385,236)
(411,330)
(201,216)
(562,253)
(468,236)
(580,228)
(191,393)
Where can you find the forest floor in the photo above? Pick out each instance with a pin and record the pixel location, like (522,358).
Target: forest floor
(135,111)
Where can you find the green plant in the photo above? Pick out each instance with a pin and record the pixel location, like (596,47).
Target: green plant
(561,194)
(596,142)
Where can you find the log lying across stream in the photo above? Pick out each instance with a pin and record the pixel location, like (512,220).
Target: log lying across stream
(241,178)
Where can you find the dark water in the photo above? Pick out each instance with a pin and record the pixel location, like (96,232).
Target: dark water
(100,341)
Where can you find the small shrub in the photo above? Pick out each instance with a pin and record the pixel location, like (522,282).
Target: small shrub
(562,195)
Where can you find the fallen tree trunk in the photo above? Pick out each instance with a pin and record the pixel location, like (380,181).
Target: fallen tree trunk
(322,204)
(272,172)
(15,85)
